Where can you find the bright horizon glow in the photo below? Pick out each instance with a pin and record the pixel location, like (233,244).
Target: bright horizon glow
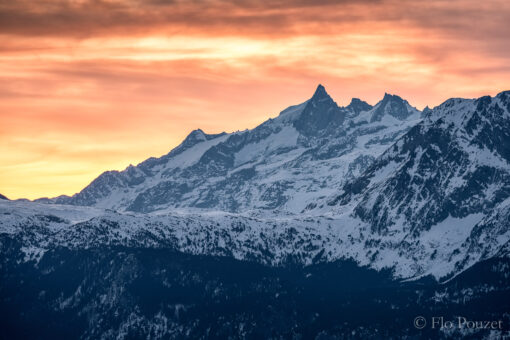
(89,86)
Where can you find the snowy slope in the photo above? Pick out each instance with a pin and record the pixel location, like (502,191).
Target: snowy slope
(446,249)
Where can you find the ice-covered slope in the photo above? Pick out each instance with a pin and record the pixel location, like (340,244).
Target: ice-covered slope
(284,164)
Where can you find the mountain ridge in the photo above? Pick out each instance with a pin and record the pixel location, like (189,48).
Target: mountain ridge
(313,132)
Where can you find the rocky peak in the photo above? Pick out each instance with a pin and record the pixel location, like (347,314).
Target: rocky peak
(504,98)
(357,105)
(320,93)
(196,136)
(426,111)
(320,113)
(392,105)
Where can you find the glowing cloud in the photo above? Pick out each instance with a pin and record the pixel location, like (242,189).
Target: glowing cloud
(87,86)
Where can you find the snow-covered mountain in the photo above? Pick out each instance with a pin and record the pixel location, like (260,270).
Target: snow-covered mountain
(441,192)
(284,164)
(407,199)
(455,163)
(376,184)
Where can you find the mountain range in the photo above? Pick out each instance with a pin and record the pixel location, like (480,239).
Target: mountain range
(417,201)
(284,164)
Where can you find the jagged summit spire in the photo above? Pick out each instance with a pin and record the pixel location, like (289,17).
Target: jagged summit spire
(320,92)
(388,96)
(321,113)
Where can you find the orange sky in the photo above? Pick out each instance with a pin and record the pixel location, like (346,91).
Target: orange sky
(94,85)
